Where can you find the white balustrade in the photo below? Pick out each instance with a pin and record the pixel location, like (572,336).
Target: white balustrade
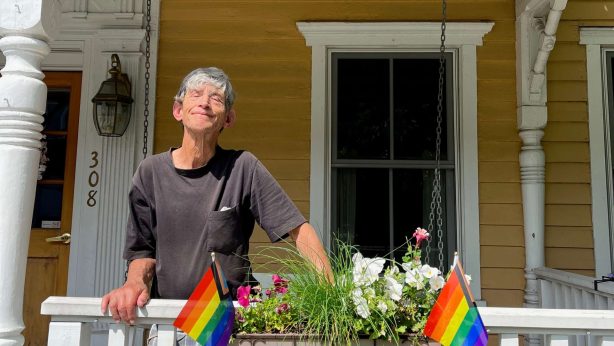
(70,317)
(564,290)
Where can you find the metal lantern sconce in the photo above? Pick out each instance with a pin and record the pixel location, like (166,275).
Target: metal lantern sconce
(113,103)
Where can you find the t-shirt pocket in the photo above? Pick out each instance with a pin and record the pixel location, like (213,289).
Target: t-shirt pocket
(223,230)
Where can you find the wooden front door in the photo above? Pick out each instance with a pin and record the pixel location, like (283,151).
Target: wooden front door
(47,268)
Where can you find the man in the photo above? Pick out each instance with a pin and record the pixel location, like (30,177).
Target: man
(198,199)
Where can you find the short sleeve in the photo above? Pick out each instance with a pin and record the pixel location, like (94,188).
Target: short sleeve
(140,240)
(272,208)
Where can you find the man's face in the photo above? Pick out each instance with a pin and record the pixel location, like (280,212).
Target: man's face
(203,110)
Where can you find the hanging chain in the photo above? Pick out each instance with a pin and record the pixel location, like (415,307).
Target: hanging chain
(435,207)
(146,103)
(147,76)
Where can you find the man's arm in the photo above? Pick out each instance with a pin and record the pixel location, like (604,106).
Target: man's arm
(309,245)
(122,301)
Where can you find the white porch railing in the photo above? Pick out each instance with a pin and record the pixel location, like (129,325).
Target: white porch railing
(71,318)
(564,290)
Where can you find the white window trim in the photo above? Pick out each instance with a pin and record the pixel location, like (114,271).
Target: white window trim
(597,40)
(325,37)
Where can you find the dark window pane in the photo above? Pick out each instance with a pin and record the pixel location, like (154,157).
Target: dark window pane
(362,109)
(47,204)
(415,109)
(56,155)
(56,115)
(362,209)
(412,199)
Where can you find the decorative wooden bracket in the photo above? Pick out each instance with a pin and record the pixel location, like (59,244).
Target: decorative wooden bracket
(536,25)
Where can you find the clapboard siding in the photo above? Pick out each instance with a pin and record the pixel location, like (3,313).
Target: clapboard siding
(569,239)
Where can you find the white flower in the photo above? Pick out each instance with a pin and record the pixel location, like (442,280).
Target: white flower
(414,278)
(428,271)
(382,307)
(393,270)
(369,292)
(366,270)
(362,308)
(356,294)
(408,266)
(393,288)
(468,278)
(420,285)
(437,282)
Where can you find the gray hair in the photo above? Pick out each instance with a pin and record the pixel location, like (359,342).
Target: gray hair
(209,75)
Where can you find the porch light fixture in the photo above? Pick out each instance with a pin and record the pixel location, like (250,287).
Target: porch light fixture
(113,103)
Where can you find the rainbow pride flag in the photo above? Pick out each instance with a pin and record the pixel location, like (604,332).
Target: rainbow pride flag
(208,315)
(454,319)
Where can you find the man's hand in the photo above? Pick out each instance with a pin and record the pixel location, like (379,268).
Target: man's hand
(122,302)
(309,245)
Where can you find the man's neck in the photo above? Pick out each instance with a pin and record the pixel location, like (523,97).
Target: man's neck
(195,151)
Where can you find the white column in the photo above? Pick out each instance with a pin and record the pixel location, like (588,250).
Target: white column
(96,264)
(531,121)
(24,35)
(107,165)
(536,24)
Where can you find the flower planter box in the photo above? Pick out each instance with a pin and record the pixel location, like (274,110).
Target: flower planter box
(299,340)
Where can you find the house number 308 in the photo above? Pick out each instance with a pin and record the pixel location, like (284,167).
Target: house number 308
(92,180)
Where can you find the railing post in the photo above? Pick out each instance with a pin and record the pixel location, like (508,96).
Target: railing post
(167,334)
(118,334)
(605,341)
(509,340)
(69,334)
(557,340)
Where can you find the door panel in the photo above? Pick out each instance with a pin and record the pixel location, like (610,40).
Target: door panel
(47,268)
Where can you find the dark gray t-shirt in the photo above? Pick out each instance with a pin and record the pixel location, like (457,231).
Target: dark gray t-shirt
(180,216)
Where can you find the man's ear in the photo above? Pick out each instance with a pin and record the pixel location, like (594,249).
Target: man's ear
(177,111)
(231,117)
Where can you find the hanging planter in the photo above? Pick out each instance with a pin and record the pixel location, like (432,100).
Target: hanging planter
(295,339)
(372,301)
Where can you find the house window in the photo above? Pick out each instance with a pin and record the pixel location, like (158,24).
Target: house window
(384,123)
(398,43)
(599,44)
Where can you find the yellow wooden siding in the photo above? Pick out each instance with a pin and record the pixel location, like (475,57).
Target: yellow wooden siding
(569,233)
(501,235)
(506,298)
(258,44)
(568,172)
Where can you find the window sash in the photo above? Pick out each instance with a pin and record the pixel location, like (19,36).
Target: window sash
(447,166)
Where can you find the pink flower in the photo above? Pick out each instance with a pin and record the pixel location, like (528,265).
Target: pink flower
(420,234)
(281,284)
(239,316)
(282,308)
(267,292)
(243,295)
(279,281)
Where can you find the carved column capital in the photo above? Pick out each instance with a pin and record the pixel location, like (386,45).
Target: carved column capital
(32,18)
(532,117)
